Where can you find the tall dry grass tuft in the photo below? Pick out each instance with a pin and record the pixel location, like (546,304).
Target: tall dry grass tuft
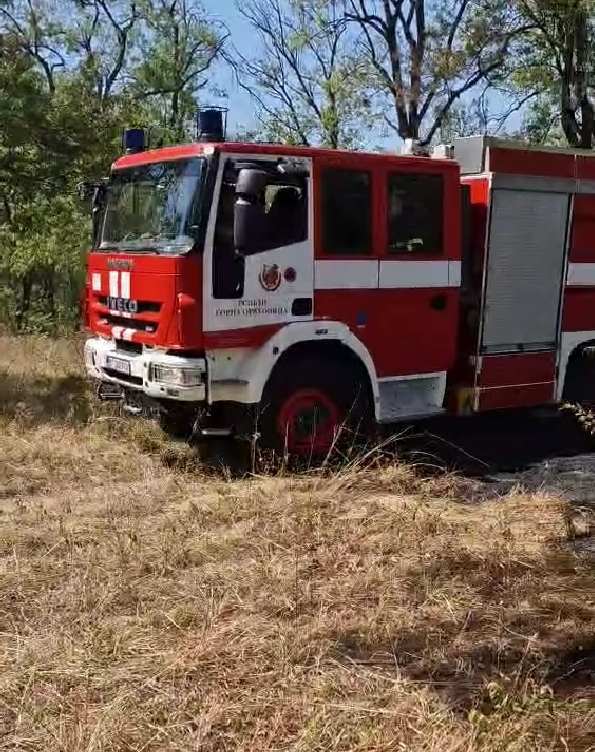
(145,608)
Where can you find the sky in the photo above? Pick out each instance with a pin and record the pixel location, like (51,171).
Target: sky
(241,115)
(241,110)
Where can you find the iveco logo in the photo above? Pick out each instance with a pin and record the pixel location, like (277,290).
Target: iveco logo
(122,304)
(119,264)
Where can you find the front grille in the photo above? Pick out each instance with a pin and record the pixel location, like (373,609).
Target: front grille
(134,320)
(137,324)
(129,347)
(123,377)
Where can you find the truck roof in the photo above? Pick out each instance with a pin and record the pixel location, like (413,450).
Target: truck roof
(192,150)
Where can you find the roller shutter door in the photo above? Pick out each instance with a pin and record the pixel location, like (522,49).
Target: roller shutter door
(526,261)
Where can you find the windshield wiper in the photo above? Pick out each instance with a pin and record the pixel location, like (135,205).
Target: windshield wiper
(157,246)
(130,247)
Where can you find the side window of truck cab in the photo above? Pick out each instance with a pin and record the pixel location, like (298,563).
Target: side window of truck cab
(286,208)
(284,203)
(279,218)
(346,202)
(415,213)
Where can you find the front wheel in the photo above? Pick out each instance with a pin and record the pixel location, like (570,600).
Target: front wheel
(176,426)
(311,409)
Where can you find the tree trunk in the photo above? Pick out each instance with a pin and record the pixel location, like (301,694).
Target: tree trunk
(23,310)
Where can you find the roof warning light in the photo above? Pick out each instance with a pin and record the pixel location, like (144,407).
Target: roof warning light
(133,140)
(211,124)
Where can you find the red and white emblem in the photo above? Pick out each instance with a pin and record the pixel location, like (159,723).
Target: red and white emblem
(270,277)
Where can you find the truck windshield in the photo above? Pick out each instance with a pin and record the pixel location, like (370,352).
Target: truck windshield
(153,207)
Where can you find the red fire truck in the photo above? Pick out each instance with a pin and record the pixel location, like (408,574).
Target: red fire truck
(243,289)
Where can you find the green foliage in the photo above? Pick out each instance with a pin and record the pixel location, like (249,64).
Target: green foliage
(309,79)
(177,49)
(325,72)
(42,264)
(428,58)
(555,71)
(72,75)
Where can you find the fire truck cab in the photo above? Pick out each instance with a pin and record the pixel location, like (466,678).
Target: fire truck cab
(244,289)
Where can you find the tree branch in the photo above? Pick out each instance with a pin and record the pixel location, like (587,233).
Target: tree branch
(122,34)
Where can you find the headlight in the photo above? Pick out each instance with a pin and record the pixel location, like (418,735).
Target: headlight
(176,375)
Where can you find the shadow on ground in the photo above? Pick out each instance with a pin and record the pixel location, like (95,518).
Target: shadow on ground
(35,399)
(497,442)
(566,667)
(460,655)
(478,447)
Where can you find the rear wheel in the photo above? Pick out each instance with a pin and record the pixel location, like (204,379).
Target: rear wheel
(579,390)
(579,385)
(310,409)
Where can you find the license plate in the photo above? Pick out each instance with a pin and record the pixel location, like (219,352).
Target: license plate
(117,364)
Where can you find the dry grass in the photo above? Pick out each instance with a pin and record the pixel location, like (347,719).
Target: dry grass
(148,608)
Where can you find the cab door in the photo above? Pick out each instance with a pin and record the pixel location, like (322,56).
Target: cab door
(247,298)
(420,268)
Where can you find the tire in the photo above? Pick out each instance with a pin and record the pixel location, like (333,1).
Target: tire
(579,389)
(579,385)
(309,409)
(176,427)
(226,456)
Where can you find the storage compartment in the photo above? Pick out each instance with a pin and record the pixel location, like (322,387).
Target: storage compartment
(526,260)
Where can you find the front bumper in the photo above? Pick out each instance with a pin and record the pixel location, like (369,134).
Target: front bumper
(152,372)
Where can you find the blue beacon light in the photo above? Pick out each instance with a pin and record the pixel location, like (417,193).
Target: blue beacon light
(133,140)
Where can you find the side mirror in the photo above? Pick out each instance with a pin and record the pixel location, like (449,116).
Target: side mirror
(92,192)
(251,183)
(248,227)
(86,190)
(249,214)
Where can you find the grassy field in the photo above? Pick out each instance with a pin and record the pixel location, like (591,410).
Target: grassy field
(146,606)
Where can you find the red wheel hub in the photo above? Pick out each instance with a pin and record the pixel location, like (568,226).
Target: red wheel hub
(307,422)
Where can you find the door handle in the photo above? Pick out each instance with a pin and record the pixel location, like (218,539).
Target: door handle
(438,302)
